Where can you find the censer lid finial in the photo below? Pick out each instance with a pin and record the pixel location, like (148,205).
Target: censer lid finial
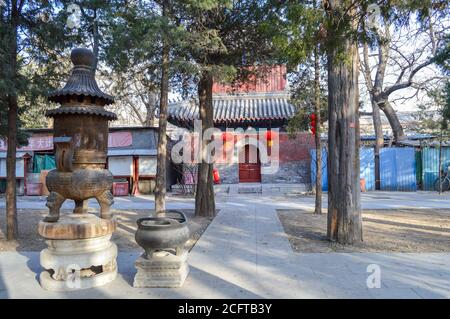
(81,82)
(82,57)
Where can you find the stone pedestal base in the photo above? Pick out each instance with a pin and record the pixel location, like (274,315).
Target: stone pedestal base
(163,269)
(80,253)
(74,264)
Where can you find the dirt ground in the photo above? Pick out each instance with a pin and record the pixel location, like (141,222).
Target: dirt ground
(383,231)
(123,236)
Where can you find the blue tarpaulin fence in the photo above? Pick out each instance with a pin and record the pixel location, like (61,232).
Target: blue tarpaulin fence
(397,168)
(367,167)
(324,168)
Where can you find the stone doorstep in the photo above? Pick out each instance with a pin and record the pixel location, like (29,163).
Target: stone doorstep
(222,188)
(250,190)
(293,189)
(262,188)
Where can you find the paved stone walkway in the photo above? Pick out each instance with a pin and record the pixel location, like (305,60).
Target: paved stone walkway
(244,253)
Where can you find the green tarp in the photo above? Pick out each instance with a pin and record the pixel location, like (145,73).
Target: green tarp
(430,164)
(43,162)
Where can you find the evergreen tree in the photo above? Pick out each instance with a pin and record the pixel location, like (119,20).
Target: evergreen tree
(301,46)
(142,39)
(340,32)
(29,35)
(224,38)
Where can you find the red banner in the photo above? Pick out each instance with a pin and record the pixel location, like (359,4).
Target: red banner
(35,143)
(120,139)
(45,142)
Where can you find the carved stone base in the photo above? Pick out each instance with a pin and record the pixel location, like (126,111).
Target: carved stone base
(77,226)
(78,264)
(164,269)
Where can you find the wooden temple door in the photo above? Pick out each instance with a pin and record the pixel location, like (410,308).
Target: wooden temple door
(249,166)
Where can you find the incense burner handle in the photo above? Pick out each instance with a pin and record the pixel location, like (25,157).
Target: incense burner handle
(64,153)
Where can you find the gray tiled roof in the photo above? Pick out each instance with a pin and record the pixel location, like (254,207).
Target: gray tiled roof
(228,108)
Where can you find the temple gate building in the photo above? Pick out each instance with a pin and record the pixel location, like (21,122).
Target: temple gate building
(261,105)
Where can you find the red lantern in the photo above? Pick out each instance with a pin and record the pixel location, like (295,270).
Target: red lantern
(312,123)
(227,136)
(216,176)
(270,135)
(227,139)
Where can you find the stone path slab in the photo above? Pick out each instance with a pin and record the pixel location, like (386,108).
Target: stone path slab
(244,253)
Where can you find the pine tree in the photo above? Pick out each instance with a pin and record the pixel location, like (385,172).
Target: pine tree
(28,34)
(223,39)
(301,46)
(143,38)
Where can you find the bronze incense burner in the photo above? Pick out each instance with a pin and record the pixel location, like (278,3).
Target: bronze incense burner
(80,141)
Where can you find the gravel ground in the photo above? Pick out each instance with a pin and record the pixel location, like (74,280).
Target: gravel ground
(383,231)
(123,236)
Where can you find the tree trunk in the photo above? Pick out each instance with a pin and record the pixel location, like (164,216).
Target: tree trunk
(397,129)
(440,165)
(150,111)
(96,40)
(204,197)
(12,230)
(344,208)
(379,142)
(318,202)
(379,97)
(161,170)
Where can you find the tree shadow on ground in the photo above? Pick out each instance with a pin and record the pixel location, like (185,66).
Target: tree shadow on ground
(198,284)
(30,240)
(406,225)
(383,231)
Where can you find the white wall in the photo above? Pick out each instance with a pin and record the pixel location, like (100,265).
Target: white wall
(19,167)
(147,165)
(121,165)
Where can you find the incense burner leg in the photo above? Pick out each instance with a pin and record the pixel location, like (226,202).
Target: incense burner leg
(54,203)
(105,200)
(80,207)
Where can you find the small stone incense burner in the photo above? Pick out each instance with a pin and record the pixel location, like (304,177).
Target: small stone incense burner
(80,253)
(164,262)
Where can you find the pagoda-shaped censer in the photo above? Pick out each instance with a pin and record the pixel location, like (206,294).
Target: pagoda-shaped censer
(80,253)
